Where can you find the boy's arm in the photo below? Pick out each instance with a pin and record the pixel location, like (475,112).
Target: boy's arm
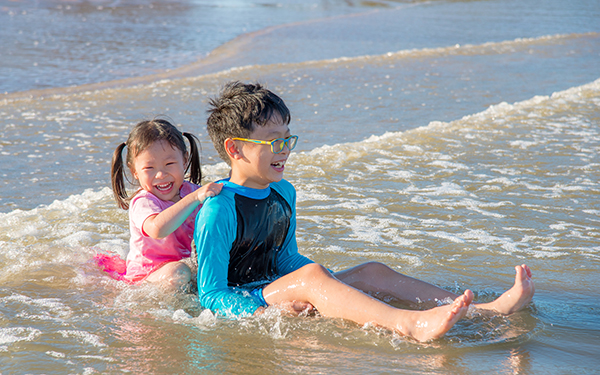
(290,259)
(215,232)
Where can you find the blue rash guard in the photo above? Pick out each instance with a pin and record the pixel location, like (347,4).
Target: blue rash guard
(245,238)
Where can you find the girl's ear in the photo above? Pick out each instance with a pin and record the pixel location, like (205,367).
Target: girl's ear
(232,149)
(132,171)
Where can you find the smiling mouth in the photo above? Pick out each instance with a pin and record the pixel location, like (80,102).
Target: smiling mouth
(164,187)
(279,164)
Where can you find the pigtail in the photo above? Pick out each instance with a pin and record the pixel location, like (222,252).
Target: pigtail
(141,137)
(117,177)
(194,167)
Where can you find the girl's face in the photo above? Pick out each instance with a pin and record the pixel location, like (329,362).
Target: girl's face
(160,170)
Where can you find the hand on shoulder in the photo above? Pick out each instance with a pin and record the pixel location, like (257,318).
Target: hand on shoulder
(208,190)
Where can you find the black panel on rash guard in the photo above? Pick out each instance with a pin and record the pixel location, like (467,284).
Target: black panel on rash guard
(262,226)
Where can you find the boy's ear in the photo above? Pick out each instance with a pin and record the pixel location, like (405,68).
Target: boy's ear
(232,149)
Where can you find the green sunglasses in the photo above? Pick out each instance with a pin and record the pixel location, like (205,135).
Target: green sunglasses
(277,145)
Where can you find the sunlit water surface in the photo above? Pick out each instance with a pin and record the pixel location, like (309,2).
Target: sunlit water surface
(451,154)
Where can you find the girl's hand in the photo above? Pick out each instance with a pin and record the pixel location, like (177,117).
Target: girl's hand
(166,222)
(209,190)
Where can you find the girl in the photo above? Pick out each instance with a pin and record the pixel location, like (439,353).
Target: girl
(162,212)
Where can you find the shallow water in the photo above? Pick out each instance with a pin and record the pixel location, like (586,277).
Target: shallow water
(431,141)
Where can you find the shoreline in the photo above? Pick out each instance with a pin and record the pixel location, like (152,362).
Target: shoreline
(216,63)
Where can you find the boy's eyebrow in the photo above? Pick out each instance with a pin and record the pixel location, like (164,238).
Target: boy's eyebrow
(276,133)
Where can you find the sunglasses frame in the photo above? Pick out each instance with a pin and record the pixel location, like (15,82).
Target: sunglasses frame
(286,142)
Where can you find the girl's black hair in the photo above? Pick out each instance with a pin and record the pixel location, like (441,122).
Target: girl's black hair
(144,134)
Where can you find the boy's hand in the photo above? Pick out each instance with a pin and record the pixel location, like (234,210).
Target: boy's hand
(209,190)
(296,308)
(293,308)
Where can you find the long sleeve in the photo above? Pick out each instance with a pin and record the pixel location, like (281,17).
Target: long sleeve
(214,235)
(219,236)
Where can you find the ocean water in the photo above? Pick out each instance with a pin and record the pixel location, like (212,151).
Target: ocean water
(450,140)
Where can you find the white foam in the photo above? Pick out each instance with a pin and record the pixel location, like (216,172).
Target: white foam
(54,354)
(71,205)
(446,236)
(448,164)
(355,204)
(83,336)
(546,253)
(502,181)
(447,188)
(49,309)
(215,171)
(377,255)
(333,157)
(400,175)
(310,192)
(11,335)
(522,144)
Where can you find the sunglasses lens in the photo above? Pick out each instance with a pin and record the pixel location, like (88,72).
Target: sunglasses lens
(278,144)
(292,142)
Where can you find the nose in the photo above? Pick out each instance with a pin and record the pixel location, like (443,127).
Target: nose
(286,149)
(286,145)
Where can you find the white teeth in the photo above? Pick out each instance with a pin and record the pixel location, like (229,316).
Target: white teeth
(164,187)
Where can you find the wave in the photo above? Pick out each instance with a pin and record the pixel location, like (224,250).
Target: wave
(334,156)
(327,158)
(389,92)
(212,65)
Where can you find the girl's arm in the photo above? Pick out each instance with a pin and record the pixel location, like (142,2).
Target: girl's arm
(167,221)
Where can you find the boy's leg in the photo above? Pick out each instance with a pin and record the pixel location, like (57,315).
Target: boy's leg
(315,285)
(516,297)
(378,278)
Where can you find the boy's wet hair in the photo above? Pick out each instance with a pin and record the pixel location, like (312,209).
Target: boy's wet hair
(143,135)
(239,107)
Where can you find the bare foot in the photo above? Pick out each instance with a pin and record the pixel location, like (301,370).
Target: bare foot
(434,323)
(516,297)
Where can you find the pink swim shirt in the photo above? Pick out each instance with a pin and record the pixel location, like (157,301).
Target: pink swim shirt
(147,254)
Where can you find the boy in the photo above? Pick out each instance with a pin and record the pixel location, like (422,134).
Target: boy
(245,237)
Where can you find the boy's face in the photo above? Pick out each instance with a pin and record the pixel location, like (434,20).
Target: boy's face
(258,165)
